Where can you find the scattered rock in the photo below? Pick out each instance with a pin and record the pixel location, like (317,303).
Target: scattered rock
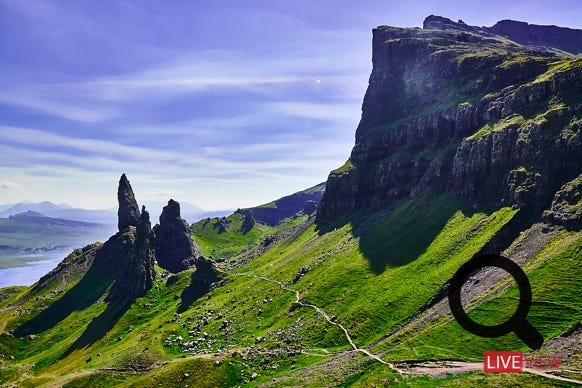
(302,271)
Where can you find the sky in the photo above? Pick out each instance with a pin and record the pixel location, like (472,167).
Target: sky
(223,104)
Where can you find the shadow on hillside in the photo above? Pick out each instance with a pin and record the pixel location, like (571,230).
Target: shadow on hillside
(85,293)
(101,324)
(190,295)
(97,282)
(201,282)
(398,235)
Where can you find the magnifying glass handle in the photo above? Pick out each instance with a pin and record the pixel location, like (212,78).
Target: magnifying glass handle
(529,335)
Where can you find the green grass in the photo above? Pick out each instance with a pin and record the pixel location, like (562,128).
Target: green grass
(346,167)
(373,271)
(557,67)
(234,241)
(369,279)
(555,309)
(227,244)
(501,125)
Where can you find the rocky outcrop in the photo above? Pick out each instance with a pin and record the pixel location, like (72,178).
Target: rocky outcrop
(129,255)
(248,222)
(533,35)
(459,109)
(221,225)
(128,212)
(566,207)
(566,39)
(176,250)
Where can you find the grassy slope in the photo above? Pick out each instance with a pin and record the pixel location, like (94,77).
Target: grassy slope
(556,280)
(228,243)
(360,271)
(233,241)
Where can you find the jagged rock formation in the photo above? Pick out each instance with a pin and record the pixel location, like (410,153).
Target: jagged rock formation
(460,109)
(119,271)
(129,254)
(566,207)
(221,225)
(128,212)
(176,250)
(127,258)
(248,220)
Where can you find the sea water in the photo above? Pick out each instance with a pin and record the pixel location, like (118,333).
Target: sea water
(27,275)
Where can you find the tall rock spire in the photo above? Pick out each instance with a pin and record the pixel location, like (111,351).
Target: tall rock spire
(128,213)
(176,250)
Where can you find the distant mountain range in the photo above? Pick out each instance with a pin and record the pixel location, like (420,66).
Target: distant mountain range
(191,213)
(33,233)
(36,218)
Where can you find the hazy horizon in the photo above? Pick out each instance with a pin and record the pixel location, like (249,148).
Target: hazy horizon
(219,104)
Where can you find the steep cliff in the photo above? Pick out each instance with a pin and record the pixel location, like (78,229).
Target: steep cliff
(463,110)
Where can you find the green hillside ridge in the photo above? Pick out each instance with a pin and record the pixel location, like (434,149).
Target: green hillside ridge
(248,318)
(228,237)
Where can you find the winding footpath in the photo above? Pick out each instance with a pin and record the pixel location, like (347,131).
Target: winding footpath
(299,301)
(430,368)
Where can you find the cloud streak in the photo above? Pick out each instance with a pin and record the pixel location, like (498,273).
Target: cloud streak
(45,104)
(5,184)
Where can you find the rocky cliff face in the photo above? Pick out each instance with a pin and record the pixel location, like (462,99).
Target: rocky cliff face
(175,247)
(460,109)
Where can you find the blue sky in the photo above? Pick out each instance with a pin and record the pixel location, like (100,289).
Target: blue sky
(223,104)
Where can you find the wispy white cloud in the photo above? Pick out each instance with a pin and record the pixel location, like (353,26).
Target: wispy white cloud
(46,104)
(325,111)
(220,70)
(5,184)
(232,121)
(163,194)
(247,160)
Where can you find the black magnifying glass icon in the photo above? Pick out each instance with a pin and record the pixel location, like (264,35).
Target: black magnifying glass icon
(517,323)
